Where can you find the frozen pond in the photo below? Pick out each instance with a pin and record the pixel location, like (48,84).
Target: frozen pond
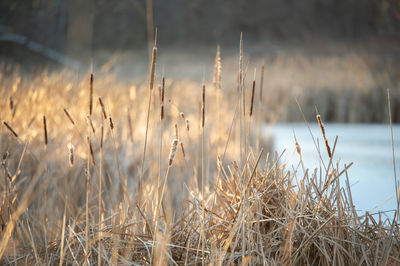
(367,146)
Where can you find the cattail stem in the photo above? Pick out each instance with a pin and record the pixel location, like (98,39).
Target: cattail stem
(100,193)
(171,157)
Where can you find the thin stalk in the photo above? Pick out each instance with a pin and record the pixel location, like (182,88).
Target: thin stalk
(151,83)
(100,194)
(394,159)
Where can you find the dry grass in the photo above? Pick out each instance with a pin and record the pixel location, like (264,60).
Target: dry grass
(197,205)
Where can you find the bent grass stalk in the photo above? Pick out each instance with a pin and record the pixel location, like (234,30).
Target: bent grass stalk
(151,83)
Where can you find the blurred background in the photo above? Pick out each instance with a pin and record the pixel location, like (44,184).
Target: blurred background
(340,56)
(320,49)
(73,26)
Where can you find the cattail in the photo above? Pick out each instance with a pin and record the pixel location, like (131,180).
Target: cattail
(14,110)
(11,103)
(130,125)
(187,125)
(111,123)
(297,146)
(240,61)
(183,150)
(203,107)
(102,108)
(162,98)
(91,93)
(69,116)
(252,97)
(10,128)
(91,150)
(182,115)
(45,130)
(172,152)
(321,126)
(89,121)
(71,154)
(217,69)
(153,66)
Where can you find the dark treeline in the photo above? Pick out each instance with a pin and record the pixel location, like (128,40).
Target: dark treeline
(74,25)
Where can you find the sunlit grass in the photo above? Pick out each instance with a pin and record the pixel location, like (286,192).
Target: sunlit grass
(226,198)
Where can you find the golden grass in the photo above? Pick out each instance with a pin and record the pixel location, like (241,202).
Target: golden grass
(220,201)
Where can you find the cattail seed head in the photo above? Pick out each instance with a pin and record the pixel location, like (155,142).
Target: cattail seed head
(11,103)
(130,126)
(89,121)
(183,150)
(111,123)
(217,69)
(91,93)
(103,109)
(203,107)
(187,125)
(252,97)
(321,126)
(69,116)
(91,150)
(162,98)
(153,67)
(10,128)
(71,154)
(45,130)
(297,146)
(172,152)
(182,115)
